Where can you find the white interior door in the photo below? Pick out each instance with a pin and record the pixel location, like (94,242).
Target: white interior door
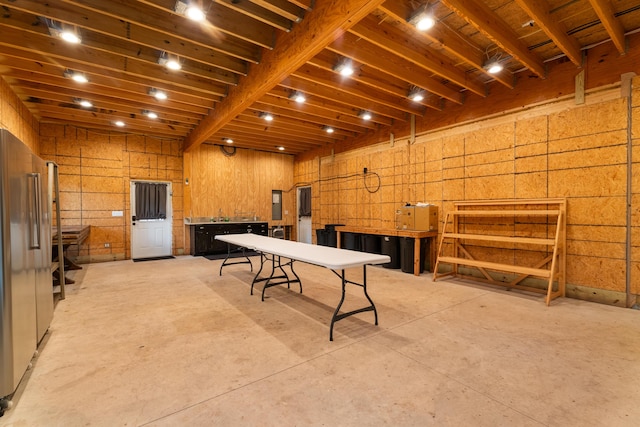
(151,237)
(304,221)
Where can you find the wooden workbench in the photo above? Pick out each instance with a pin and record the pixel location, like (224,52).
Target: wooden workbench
(415,234)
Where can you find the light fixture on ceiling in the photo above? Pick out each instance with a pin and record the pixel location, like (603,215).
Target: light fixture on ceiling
(150,114)
(119,123)
(83,102)
(493,65)
(344,67)
(365,115)
(328,129)
(75,76)
(416,95)
(280,147)
(158,94)
(423,18)
(298,97)
(228,140)
(64,32)
(268,117)
(191,9)
(170,61)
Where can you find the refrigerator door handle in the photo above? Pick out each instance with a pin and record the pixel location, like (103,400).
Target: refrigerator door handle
(34,214)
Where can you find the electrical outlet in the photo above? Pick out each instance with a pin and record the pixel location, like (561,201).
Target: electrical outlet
(107,245)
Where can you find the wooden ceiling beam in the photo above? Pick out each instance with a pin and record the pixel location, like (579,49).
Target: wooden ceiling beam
(106,121)
(323,25)
(47,94)
(335,95)
(106,87)
(538,10)
(391,39)
(218,55)
(283,8)
(258,13)
(87,57)
(360,50)
(443,38)
(292,127)
(356,90)
(327,106)
(219,21)
(605,12)
(373,78)
(239,134)
(303,116)
(478,14)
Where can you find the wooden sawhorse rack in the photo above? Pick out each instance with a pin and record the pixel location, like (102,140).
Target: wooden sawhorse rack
(524,237)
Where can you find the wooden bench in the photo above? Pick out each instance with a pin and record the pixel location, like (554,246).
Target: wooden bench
(535,227)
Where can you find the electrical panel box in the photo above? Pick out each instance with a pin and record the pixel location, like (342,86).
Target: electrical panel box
(423,218)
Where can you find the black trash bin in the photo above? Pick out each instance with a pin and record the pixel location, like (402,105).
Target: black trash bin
(389,246)
(321,237)
(351,241)
(370,243)
(332,234)
(407,253)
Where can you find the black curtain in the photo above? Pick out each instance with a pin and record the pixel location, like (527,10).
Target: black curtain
(305,202)
(151,200)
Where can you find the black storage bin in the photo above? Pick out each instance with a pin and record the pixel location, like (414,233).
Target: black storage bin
(370,243)
(407,253)
(389,246)
(332,234)
(351,241)
(332,237)
(321,237)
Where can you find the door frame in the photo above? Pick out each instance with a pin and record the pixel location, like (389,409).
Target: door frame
(299,218)
(169,218)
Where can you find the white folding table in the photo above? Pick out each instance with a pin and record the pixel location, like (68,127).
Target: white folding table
(336,260)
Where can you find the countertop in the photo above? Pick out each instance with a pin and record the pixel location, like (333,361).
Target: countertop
(200,221)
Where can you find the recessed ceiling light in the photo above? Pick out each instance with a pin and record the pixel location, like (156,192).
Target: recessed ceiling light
(493,64)
(298,97)
(228,140)
(158,94)
(170,61)
(423,18)
(268,117)
(281,148)
(365,115)
(150,114)
(344,67)
(329,129)
(70,37)
(416,95)
(64,32)
(119,123)
(83,102)
(75,76)
(190,9)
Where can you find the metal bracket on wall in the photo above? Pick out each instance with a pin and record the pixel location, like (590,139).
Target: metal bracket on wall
(412,138)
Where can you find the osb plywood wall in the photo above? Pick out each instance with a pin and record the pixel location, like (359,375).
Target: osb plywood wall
(237,184)
(16,118)
(578,152)
(95,171)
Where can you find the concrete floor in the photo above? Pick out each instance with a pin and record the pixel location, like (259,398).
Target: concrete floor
(171,343)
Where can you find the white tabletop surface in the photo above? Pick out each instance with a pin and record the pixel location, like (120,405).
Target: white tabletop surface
(325,256)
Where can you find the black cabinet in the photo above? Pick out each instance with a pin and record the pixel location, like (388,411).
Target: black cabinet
(203,241)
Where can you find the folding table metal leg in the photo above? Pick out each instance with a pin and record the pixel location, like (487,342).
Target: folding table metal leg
(276,264)
(339,316)
(227,262)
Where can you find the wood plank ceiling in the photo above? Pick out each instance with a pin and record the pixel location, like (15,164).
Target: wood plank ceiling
(248,59)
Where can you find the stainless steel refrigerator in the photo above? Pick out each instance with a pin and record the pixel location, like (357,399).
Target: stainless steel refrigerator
(26,290)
